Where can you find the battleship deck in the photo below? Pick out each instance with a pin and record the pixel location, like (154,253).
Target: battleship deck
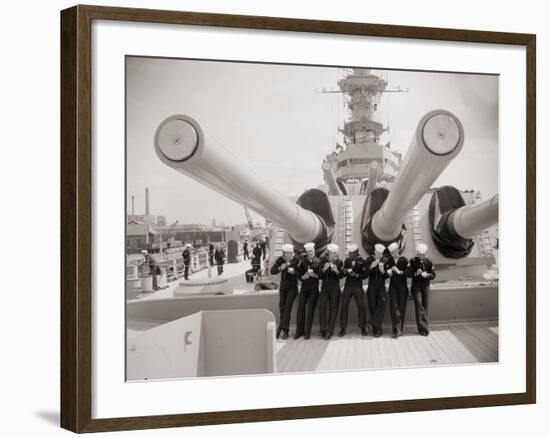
(464,327)
(448,344)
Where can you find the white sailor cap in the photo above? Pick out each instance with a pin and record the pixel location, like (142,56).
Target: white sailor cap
(310,246)
(421,248)
(188,245)
(144,251)
(379,247)
(352,247)
(287,247)
(333,247)
(393,246)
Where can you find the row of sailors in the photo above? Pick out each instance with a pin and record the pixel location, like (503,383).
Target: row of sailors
(329,268)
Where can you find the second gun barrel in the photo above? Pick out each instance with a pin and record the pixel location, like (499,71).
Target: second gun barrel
(439,137)
(467,221)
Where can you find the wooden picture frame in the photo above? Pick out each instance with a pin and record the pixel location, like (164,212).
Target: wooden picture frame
(76,217)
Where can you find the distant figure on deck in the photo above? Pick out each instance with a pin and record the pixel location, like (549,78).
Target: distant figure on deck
(354,270)
(254,270)
(377,265)
(257,251)
(309,271)
(186,254)
(219,255)
(211,254)
(263,246)
(398,290)
(421,270)
(332,270)
(287,266)
(149,267)
(245,250)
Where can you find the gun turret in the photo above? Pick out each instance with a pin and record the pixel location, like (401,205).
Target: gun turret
(438,139)
(454,224)
(181,144)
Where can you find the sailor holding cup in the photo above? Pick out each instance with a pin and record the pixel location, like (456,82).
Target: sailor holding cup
(377,264)
(309,272)
(398,290)
(354,270)
(287,266)
(421,270)
(332,270)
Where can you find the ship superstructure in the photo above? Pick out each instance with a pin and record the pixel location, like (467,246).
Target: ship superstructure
(347,170)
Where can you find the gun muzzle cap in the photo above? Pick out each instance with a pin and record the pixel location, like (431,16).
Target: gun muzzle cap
(177,139)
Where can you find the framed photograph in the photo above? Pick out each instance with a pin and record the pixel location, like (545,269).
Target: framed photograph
(270,218)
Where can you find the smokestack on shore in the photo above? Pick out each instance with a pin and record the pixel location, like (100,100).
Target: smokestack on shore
(147,200)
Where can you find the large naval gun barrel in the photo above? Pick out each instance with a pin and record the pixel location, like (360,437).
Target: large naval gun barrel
(454,224)
(181,144)
(438,138)
(467,221)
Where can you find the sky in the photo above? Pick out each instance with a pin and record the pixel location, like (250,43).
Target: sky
(274,118)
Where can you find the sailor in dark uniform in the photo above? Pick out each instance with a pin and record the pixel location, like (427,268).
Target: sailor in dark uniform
(354,270)
(257,251)
(376,291)
(253,271)
(219,255)
(287,266)
(186,260)
(398,290)
(421,270)
(245,250)
(332,270)
(211,254)
(263,247)
(309,272)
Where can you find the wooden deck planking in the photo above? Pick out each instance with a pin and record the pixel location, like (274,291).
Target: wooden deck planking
(438,348)
(485,336)
(399,351)
(412,355)
(367,353)
(487,340)
(471,342)
(462,353)
(441,340)
(456,343)
(425,356)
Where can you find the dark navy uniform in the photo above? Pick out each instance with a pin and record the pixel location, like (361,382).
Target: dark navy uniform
(219,255)
(398,292)
(257,251)
(186,262)
(211,255)
(353,288)
(420,291)
(376,293)
(253,271)
(309,294)
(288,288)
(245,251)
(329,298)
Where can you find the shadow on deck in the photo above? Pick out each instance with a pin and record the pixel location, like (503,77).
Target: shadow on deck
(447,344)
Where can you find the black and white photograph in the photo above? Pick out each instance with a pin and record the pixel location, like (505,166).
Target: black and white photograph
(286,218)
